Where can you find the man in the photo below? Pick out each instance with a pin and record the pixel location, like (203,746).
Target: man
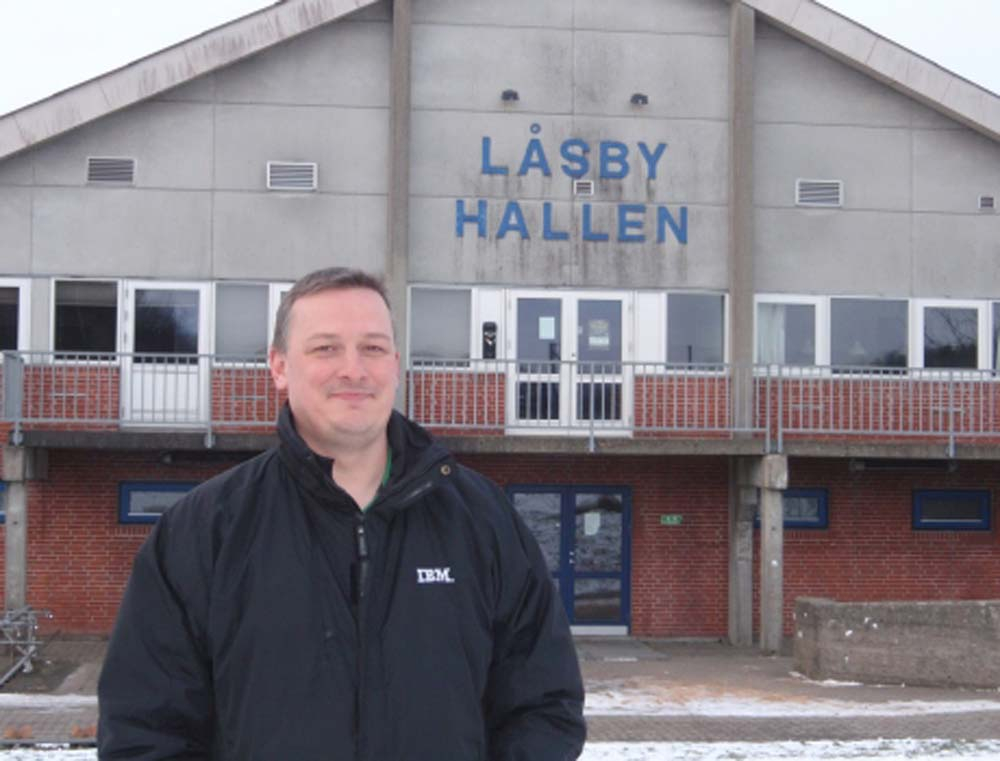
(353,593)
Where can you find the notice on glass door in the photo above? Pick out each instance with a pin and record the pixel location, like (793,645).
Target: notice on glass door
(598,334)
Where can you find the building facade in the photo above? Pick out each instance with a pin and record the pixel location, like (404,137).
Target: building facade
(710,288)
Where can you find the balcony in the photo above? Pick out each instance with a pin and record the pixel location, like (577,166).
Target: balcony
(193,401)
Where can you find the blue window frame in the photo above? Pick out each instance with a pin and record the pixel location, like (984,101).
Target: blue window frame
(803,508)
(951,510)
(145,501)
(3,502)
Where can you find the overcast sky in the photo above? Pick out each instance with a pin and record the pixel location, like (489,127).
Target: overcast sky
(49,45)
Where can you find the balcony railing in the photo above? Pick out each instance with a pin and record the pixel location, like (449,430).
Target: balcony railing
(772,404)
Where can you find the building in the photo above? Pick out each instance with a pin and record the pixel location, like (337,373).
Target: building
(661,267)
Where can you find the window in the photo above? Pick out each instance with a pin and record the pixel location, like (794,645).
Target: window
(695,328)
(241,321)
(166,321)
(440,324)
(144,502)
(951,510)
(13,314)
(951,336)
(786,334)
(86,316)
(868,333)
(803,508)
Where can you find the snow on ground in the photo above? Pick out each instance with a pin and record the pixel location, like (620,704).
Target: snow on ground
(868,750)
(649,700)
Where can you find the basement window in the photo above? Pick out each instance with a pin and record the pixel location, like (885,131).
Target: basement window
(803,508)
(951,510)
(146,501)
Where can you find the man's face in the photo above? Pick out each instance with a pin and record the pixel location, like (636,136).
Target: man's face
(340,367)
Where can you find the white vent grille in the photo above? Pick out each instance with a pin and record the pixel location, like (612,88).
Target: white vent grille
(108,169)
(987,203)
(291,175)
(825,193)
(583,187)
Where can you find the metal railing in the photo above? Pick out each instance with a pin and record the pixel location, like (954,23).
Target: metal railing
(775,404)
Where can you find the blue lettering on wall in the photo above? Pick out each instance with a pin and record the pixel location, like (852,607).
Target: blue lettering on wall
(625,224)
(664,218)
(461,218)
(547,232)
(588,232)
(488,167)
(613,154)
(579,164)
(534,158)
(652,159)
(513,219)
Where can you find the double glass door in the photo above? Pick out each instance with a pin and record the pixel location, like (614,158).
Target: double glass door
(583,532)
(569,351)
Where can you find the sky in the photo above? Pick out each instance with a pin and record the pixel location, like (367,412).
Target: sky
(40,56)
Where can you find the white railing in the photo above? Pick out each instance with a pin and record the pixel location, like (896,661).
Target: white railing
(774,404)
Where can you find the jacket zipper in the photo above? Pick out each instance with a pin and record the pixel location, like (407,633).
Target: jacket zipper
(361,542)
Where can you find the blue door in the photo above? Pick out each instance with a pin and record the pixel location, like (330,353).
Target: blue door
(584,534)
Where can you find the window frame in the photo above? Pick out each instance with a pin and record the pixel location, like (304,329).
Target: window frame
(126,488)
(983,334)
(820,524)
(3,502)
(982,496)
(821,328)
(475,361)
(92,357)
(23,285)
(870,371)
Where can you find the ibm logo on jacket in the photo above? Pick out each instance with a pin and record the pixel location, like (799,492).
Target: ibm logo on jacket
(435,576)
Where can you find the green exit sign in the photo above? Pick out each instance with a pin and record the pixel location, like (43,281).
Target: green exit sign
(671,520)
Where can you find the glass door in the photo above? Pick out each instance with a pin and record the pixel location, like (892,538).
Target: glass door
(538,375)
(165,375)
(597,373)
(584,536)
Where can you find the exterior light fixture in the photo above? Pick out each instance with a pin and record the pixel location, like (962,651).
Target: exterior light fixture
(639,99)
(509,95)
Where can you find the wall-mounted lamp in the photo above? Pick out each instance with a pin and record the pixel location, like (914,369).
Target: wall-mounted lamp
(509,95)
(639,99)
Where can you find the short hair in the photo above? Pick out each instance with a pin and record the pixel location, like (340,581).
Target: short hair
(329,279)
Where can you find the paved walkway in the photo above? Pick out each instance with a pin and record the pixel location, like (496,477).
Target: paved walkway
(689,692)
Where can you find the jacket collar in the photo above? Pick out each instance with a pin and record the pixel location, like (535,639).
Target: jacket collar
(414,455)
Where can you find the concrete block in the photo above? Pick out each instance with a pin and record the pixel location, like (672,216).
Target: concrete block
(952,168)
(513,13)
(170,141)
(198,90)
(11,139)
(783,11)
(15,229)
(941,644)
(121,233)
(654,16)
(42,120)
(347,143)
(874,164)
(769,472)
(467,68)
(683,75)
(282,236)
(943,269)
(345,64)
(17,170)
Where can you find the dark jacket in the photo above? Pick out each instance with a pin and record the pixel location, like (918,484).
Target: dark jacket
(267,617)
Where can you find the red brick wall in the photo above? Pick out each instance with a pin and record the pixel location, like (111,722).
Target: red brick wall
(870,550)
(80,555)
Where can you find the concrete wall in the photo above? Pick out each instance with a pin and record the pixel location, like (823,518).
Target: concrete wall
(199,208)
(954,644)
(910,224)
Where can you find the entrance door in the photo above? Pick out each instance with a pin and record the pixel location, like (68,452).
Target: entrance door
(569,351)
(584,535)
(166,371)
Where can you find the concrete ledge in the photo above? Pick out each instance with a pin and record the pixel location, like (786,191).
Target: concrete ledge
(948,643)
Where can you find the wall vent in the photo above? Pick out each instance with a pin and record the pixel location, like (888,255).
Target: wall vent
(292,175)
(113,170)
(824,193)
(583,187)
(987,203)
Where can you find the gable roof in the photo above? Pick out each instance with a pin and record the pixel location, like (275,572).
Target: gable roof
(892,64)
(853,44)
(166,69)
